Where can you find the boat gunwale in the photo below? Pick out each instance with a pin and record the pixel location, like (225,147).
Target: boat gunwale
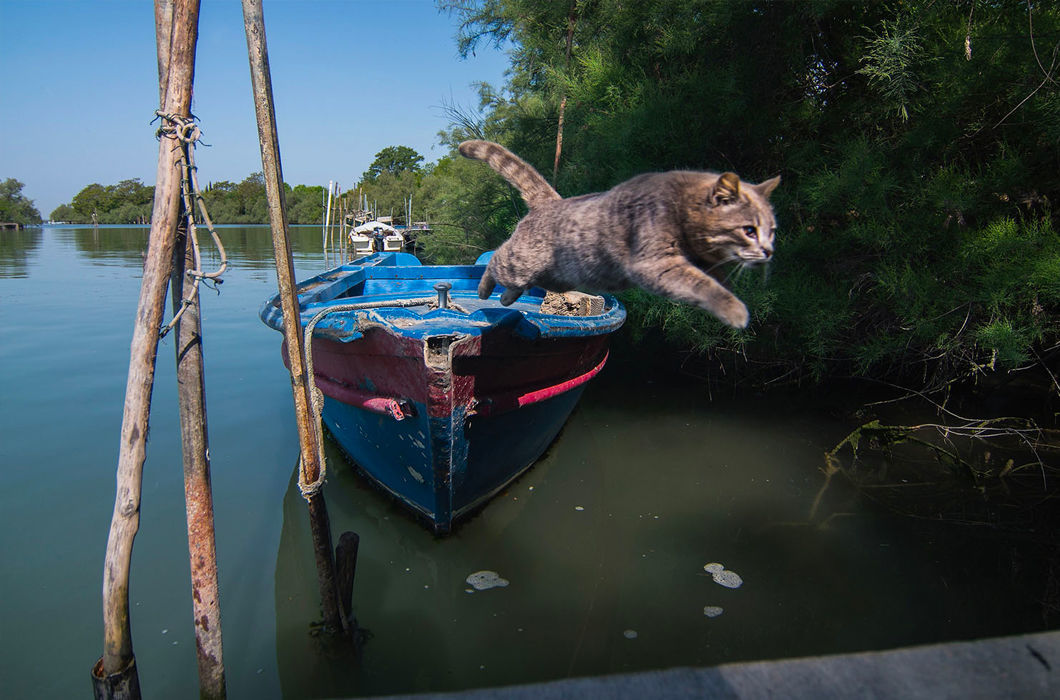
(333,286)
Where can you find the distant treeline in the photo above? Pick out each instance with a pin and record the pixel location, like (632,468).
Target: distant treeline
(130,202)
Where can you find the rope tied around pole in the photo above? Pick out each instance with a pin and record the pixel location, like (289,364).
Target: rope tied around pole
(317,396)
(187,134)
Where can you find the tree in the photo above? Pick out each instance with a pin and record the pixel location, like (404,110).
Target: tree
(305,204)
(91,201)
(128,202)
(917,141)
(64,213)
(393,160)
(14,207)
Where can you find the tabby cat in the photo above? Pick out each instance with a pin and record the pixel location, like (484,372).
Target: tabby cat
(665,232)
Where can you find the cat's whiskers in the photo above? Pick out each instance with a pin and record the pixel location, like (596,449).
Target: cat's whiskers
(724,261)
(745,264)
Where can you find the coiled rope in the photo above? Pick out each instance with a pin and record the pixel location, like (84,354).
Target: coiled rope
(309,489)
(187,133)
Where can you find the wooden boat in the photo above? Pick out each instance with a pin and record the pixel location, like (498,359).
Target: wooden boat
(439,397)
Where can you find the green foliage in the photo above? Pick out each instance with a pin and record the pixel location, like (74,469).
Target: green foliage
(890,59)
(388,192)
(128,202)
(305,203)
(14,207)
(394,161)
(917,142)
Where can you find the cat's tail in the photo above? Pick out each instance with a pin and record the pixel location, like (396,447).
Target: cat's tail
(534,188)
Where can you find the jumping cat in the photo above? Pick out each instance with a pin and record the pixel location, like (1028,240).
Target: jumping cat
(665,232)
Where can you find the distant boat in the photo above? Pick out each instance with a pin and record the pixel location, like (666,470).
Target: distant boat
(376,237)
(444,402)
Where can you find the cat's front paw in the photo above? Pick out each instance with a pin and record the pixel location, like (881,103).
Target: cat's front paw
(734,313)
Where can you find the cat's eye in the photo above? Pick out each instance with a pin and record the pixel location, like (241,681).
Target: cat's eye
(750,231)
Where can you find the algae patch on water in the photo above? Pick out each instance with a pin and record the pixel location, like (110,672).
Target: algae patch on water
(484,580)
(722,576)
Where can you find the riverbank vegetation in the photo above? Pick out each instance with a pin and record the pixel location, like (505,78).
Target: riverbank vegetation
(130,201)
(14,207)
(919,145)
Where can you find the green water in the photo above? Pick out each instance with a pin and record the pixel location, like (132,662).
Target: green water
(603,542)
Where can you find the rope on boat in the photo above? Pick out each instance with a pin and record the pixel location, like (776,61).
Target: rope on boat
(187,133)
(317,396)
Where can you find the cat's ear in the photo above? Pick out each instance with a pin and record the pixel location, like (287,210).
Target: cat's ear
(766,188)
(726,189)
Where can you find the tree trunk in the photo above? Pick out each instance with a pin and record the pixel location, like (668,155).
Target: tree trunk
(572,20)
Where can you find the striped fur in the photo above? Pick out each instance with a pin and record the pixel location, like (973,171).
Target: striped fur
(668,233)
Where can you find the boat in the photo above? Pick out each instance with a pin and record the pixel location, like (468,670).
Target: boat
(441,398)
(376,237)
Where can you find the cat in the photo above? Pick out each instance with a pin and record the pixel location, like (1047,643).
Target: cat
(665,232)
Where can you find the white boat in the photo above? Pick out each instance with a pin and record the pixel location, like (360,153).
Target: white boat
(376,237)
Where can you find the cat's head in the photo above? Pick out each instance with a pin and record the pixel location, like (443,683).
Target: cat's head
(729,220)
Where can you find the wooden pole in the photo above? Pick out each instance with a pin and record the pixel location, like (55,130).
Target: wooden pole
(346,567)
(191,388)
(261,81)
(327,220)
(198,495)
(118,660)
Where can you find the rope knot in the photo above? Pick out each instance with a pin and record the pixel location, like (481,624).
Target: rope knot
(187,133)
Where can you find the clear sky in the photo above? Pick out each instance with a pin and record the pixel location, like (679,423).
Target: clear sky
(79,87)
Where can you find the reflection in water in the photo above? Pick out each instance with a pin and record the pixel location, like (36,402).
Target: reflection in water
(603,544)
(16,247)
(249,246)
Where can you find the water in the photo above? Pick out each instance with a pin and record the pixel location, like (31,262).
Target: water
(603,543)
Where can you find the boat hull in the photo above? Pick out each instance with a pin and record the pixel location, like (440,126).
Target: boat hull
(443,408)
(469,423)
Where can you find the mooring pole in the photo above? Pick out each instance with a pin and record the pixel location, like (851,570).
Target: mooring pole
(191,391)
(114,675)
(301,384)
(198,495)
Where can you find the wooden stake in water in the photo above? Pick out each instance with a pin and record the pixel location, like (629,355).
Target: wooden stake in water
(261,81)
(327,220)
(114,675)
(198,495)
(191,388)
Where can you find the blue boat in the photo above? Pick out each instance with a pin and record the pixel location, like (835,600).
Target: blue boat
(439,397)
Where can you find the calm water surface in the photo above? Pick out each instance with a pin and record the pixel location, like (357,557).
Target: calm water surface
(604,541)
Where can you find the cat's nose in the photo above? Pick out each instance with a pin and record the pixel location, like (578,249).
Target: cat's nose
(767,252)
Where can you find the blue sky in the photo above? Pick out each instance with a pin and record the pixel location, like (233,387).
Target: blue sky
(79,87)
